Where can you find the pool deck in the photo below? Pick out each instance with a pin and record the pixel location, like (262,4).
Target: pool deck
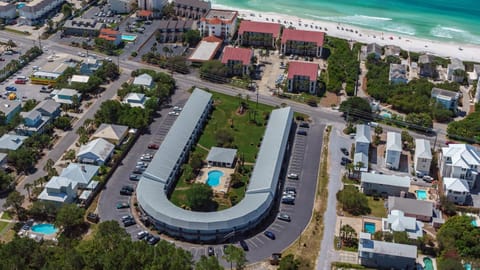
(224,184)
(420,261)
(431,192)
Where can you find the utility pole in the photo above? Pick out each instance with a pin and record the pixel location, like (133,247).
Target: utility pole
(256,106)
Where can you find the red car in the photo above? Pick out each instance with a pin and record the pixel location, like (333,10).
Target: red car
(20,81)
(153,146)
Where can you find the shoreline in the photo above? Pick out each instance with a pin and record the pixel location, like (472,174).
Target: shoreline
(465,52)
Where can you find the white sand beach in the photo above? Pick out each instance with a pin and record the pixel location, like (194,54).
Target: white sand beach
(465,52)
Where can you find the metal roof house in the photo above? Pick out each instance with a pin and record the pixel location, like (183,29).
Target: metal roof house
(382,184)
(423,156)
(418,209)
(398,222)
(59,190)
(11,142)
(222,157)
(82,174)
(362,145)
(112,133)
(96,152)
(448,99)
(461,161)
(456,190)
(143,80)
(159,178)
(393,150)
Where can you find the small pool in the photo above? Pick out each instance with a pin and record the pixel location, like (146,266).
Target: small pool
(421,194)
(214,178)
(44,228)
(369,227)
(20,5)
(129,37)
(467,266)
(474,223)
(428,264)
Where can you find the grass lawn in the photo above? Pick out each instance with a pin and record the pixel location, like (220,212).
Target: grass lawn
(3,225)
(6,215)
(378,208)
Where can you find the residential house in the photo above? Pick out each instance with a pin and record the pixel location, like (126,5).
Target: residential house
(461,161)
(397,74)
(374,48)
(89,66)
(393,150)
(11,142)
(423,157)
(362,146)
(95,152)
(262,34)
(418,209)
(9,108)
(427,66)
(7,11)
(206,49)
(448,99)
(135,100)
(222,157)
(82,27)
(3,161)
(112,133)
(151,5)
(36,120)
(302,42)
(237,60)
(384,185)
(111,35)
(36,11)
(144,80)
(456,70)
(194,9)
(385,255)
(66,96)
(456,190)
(120,6)
(302,77)
(392,50)
(59,190)
(398,222)
(219,23)
(81,174)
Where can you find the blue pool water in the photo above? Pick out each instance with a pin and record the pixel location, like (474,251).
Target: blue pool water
(428,264)
(214,178)
(474,223)
(386,115)
(129,37)
(45,228)
(467,266)
(369,227)
(20,5)
(421,194)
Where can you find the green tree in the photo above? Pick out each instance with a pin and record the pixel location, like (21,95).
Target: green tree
(235,255)
(6,180)
(236,180)
(356,106)
(458,235)
(353,201)
(69,218)
(29,105)
(214,71)
(348,235)
(199,197)
(289,263)
(224,138)
(66,10)
(15,201)
(208,263)
(196,161)
(22,159)
(63,123)
(192,37)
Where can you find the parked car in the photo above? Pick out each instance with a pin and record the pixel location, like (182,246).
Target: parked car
(302,132)
(153,146)
(126,192)
(269,234)
(244,245)
(18,81)
(284,217)
(176,108)
(142,235)
(292,176)
(291,189)
(347,160)
(92,217)
(134,177)
(211,251)
(137,171)
(129,188)
(142,164)
(304,125)
(344,151)
(126,217)
(121,205)
(153,240)
(288,201)
(129,222)
(11,88)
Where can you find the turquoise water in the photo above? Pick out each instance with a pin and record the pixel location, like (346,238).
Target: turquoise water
(20,5)
(214,178)
(467,266)
(428,264)
(437,19)
(474,223)
(369,227)
(45,228)
(129,37)
(421,194)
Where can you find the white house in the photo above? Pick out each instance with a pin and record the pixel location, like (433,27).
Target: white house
(397,74)
(456,190)
(423,157)
(394,150)
(461,161)
(66,95)
(398,222)
(82,174)
(59,190)
(362,146)
(135,100)
(97,152)
(144,80)
(456,70)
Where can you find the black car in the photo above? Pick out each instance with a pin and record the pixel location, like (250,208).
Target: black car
(244,245)
(211,251)
(125,192)
(302,132)
(129,188)
(344,151)
(347,160)
(288,201)
(129,222)
(304,125)
(92,217)
(153,240)
(137,171)
(269,234)
(134,177)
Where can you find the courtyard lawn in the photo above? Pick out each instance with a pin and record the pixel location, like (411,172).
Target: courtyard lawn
(6,215)
(378,208)
(3,225)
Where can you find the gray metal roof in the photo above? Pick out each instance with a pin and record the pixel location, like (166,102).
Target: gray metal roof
(384,179)
(394,141)
(81,173)
(7,106)
(442,92)
(363,134)
(260,192)
(48,105)
(11,142)
(386,248)
(410,206)
(422,149)
(143,79)
(101,148)
(219,154)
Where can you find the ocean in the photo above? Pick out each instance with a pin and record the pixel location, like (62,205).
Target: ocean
(442,20)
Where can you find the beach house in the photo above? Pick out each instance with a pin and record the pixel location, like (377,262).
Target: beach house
(384,185)
(90,66)
(461,161)
(194,9)
(112,133)
(59,190)
(375,49)
(237,60)
(396,221)
(9,108)
(397,74)
(36,120)
(95,152)
(302,42)
(151,5)
(427,65)
(385,255)
(423,157)
(456,190)
(173,30)
(144,80)
(418,209)
(393,150)
(456,70)
(362,145)
(135,100)
(302,77)
(11,142)
(7,11)
(219,23)
(392,50)
(66,96)
(448,99)
(260,34)
(82,27)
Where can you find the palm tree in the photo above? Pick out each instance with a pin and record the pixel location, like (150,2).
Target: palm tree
(28,186)
(347,233)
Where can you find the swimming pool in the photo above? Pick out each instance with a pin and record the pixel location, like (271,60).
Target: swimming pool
(214,178)
(474,223)
(20,5)
(369,227)
(421,194)
(428,264)
(44,228)
(386,115)
(467,266)
(129,37)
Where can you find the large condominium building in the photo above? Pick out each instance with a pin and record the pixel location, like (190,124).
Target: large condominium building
(237,60)
(302,77)
(261,34)
(7,10)
(153,5)
(121,6)
(35,12)
(82,27)
(194,9)
(219,23)
(461,161)
(302,42)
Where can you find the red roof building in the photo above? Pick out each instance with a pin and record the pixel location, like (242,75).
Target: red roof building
(261,34)
(145,14)
(238,60)
(206,49)
(219,23)
(302,42)
(302,77)
(110,35)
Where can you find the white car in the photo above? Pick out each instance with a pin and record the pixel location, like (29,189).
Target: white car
(176,108)
(292,176)
(173,113)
